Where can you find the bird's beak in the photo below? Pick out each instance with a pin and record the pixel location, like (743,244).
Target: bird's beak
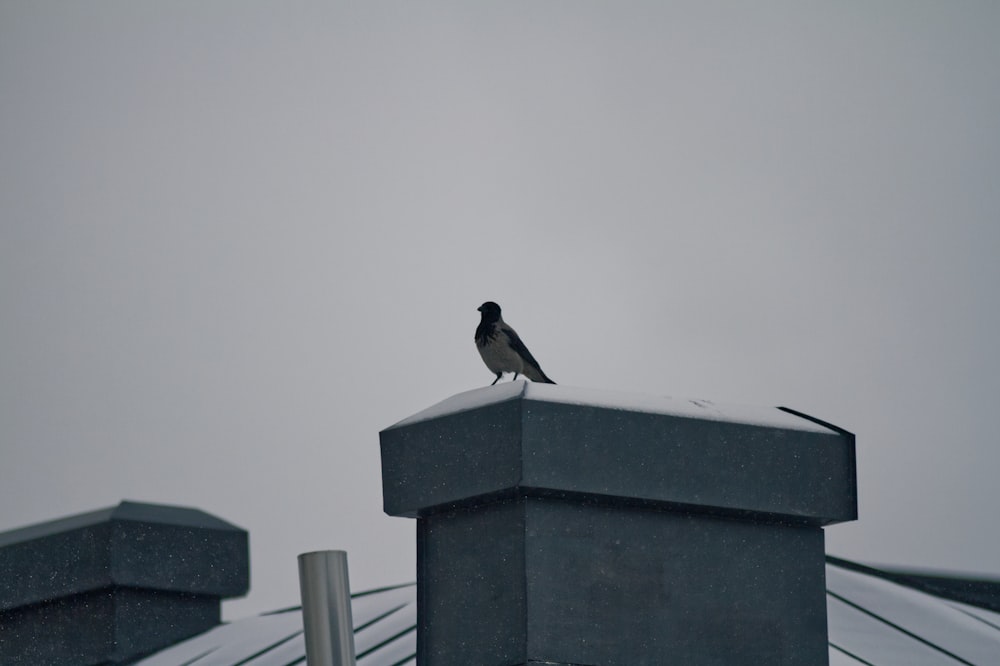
(479,309)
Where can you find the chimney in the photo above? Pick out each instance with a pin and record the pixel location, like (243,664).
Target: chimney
(562,526)
(109,586)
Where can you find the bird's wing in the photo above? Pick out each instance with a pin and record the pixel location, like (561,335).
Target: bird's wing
(518,346)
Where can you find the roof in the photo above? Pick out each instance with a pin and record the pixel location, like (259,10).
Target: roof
(385,634)
(872,621)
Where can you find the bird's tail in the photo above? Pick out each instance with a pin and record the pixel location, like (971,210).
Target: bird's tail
(535,374)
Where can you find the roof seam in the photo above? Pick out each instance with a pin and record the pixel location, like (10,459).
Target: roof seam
(975,617)
(380,617)
(386,642)
(267,649)
(899,628)
(851,654)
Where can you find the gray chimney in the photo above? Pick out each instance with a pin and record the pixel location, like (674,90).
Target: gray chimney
(110,586)
(563,526)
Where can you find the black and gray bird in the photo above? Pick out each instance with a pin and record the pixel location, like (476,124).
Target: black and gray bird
(502,349)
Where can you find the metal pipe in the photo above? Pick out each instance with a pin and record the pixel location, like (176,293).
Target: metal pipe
(326,608)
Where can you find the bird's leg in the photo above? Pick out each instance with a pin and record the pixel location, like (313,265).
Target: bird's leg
(499,374)
(515,376)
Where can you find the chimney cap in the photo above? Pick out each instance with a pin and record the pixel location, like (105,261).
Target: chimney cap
(132,544)
(125,510)
(525,439)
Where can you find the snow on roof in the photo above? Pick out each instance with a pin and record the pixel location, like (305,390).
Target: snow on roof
(633,402)
(871,621)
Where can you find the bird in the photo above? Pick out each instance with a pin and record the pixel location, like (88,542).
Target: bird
(502,349)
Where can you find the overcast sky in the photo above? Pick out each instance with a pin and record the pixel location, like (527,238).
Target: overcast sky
(237,239)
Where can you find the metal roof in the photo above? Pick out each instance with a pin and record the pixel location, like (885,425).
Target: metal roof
(872,621)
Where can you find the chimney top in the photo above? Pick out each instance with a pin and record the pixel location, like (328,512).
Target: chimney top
(111,585)
(162,514)
(522,438)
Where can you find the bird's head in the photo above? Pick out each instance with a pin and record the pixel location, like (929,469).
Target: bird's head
(490,310)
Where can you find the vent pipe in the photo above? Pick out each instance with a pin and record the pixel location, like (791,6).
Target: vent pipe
(326,608)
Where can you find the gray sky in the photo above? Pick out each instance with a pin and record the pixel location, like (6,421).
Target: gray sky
(237,239)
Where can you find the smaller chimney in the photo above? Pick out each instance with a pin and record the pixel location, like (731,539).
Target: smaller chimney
(110,586)
(562,526)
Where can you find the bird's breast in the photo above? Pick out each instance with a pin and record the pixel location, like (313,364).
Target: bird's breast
(498,355)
